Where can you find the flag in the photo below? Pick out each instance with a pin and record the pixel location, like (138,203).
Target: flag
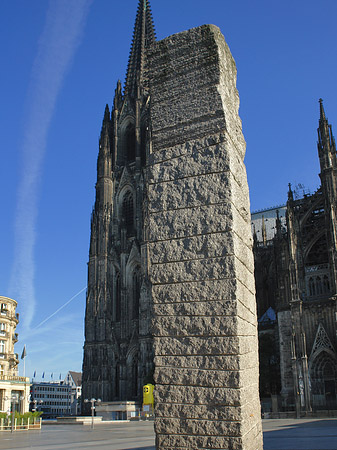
(24,353)
(34,374)
(51,376)
(43,375)
(60,376)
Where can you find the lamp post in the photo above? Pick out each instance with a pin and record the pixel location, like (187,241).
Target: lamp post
(14,399)
(93,401)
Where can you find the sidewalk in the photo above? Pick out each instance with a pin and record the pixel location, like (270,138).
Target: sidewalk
(279,434)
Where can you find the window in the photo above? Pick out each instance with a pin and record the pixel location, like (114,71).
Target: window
(3,328)
(135,293)
(118,297)
(318,285)
(127,213)
(326,284)
(312,286)
(130,142)
(4,309)
(2,370)
(2,347)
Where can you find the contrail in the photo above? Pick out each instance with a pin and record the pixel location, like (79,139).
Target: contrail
(60,38)
(60,308)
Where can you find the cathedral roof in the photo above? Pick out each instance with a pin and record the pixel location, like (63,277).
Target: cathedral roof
(143,37)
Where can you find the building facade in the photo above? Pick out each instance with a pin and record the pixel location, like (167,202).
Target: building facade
(14,390)
(74,380)
(53,398)
(295,248)
(118,351)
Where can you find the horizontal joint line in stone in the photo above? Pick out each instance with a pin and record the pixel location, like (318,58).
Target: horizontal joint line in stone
(206,336)
(216,405)
(192,281)
(197,175)
(229,231)
(198,435)
(201,369)
(198,120)
(204,354)
(202,205)
(203,420)
(193,259)
(194,315)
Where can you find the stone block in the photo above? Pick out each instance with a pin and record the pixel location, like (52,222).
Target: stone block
(200,249)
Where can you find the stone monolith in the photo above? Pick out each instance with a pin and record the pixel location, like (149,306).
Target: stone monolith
(200,249)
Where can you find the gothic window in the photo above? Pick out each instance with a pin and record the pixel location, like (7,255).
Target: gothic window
(127,213)
(312,289)
(143,133)
(118,297)
(326,284)
(130,142)
(318,253)
(134,377)
(318,285)
(135,293)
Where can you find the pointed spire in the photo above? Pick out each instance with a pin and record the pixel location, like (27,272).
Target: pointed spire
(106,118)
(118,95)
(321,110)
(326,142)
(104,142)
(143,37)
(290,193)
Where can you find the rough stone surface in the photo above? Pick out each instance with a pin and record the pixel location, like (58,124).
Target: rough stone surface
(200,250)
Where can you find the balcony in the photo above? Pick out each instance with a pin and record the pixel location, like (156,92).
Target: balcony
(14,357)
(14,378)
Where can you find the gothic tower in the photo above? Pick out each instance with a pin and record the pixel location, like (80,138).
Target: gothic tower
(118,354)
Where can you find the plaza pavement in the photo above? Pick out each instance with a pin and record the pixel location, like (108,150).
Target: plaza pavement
(279,434)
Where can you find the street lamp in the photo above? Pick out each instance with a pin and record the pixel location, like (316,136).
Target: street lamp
(92,401)
(14,399)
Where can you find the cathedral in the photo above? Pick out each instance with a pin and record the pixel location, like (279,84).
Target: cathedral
(118,350)
(295,250)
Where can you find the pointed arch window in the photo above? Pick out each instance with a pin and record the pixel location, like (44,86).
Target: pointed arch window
(130,142)
(143,138)
(118,297)
(135,293)
(128,215)
(326,284)
(312,288)
(318,285)
(134,377)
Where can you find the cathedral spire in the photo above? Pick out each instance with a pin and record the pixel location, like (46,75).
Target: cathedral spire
(104,142)
(326,142)
(321,110)
(143,37)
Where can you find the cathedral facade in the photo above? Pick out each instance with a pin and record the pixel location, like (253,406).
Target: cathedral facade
(295,248)
(118,350)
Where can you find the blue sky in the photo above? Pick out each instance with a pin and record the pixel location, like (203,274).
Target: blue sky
(60,64)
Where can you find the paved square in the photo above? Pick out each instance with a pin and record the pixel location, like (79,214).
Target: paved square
(281,434)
